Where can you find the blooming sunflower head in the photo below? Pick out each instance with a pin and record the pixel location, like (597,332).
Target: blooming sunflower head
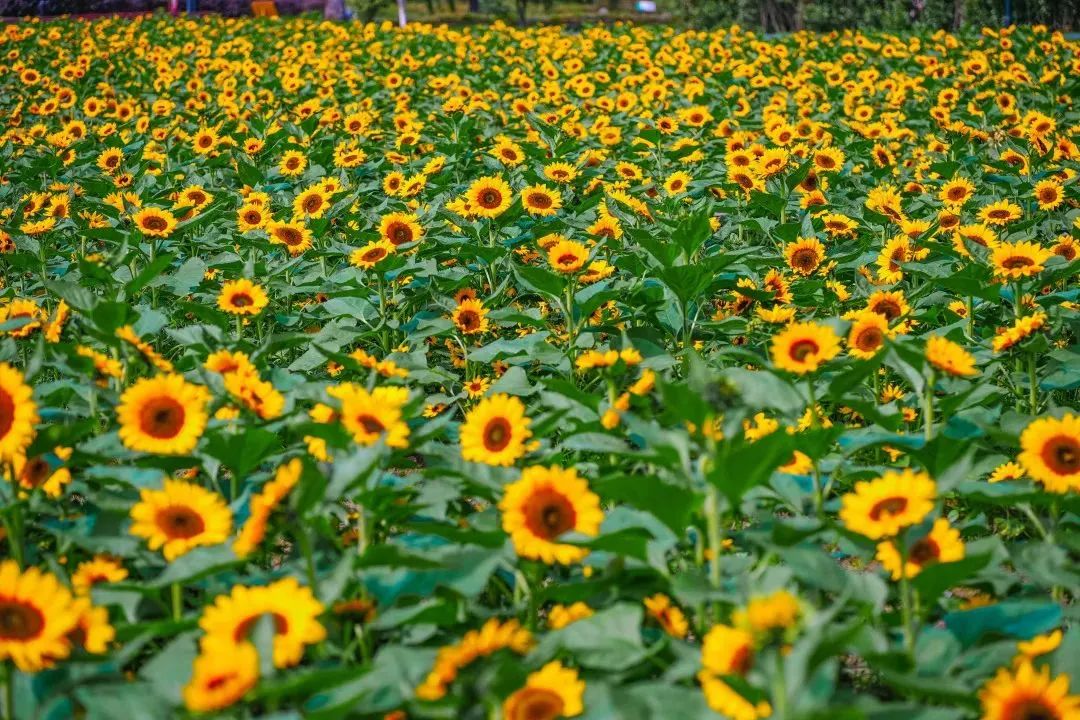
(544,504)
(37,614)
(552,692)
(488,196)
(803,347)
(1050,452)
(882,507)
(242,297)
(495,430)
(164,414)
(180,517)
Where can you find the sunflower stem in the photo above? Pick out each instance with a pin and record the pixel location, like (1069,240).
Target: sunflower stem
(928,408)
(819,494)
(1033,385)
(9,691)
(715,536)
(779,688)
(309,562)
(971,317)
(239,328)
(906,600)
(177,604)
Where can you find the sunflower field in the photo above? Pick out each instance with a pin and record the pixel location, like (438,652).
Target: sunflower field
(349,371)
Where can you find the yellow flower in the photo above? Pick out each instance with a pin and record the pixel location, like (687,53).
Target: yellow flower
(100,569)
(885,506)
(1050,452)
(670,617)
(180,517)
(540,201)
(488,196)
(370,255)
(163,414)
(803,347)
(544,504)
(292,609)
(567,256)
(36,615)
(552,692)
(950,358)
(562,615)
(1038,645)
(941,544)
(805,255)
(18,413)
(375,415)
(400,229)
(221,675)
(1027,694)
(470,317)
(723,699)
(242,297)
(867,334)
(495,431)
(727,650)
(779,610)
(154,222)
(1019,260)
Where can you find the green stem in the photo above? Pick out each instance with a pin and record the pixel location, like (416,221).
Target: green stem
(9,691)
(1033,385)
(715,537)
(177,604)
(779,688)
(309,562)
(906,601)
(928,408)
(819,494)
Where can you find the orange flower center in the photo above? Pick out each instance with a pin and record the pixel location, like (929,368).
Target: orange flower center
(889,507)
(180,522)
(532,703)
(19,621)
(869,339)
(548,514)
(242,300)
(1016,262)
(162,417)
(539,200)
(155,223)
(497,434)
(802,349)
(468,320)
(1062,455)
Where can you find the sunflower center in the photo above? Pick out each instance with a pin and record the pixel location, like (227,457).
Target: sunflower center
(7,413)
(1065,251)
(497,434)
(1062,455)
(180,522)
(469,320)
(19,621)
(1029,708)
(252,217)
(888,507)
(370,424)
(312,203)
(399,233)
(1017,261)
(242,300)
(155,223)
(539,200)
(290,236)
(801,349)
(374,254)
(869,339)
(804,259)
(162,417)
(536,704)
(924,552)
(206,141)
(219,681)
(567,259)
(490,198)
(998,214)
(35,472)
(281,626)
(549,514)
(888,309)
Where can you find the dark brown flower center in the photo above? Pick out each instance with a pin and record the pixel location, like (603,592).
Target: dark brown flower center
(399,233)
(532,703)
(7,413)
(801,349)
(490,198)
(869,339)
(549,514)
(1016,262)
(924,552)
(371,424)
(162,418)
(155,223)
(1062,455)
(1029,708)
(19,621)
(180,522)
(888,507)
(539,200)
(281,626)
(497,434)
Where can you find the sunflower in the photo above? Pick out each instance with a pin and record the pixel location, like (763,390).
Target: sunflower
(805,255)
(36,615)
(293,235)
(221,675)
(372,254)
(567,256)
(764,614)
(949,357)
(109,160)
(803,347)
(1048,193)
(668,615)
(889,304)
(242,297)
(957,191)
(263,504)
(494,432)
(1000,213)
(400,229)
(99,569)
(562,615)
(552,692)
(18,413)
(1013,261)
(867,335)
(488,196)
(828,159)
(727,650)
(1050,452)
(544,504)
(470,317)
(941,544)
(540,201)
(92,632)
(224,362)
(292,607)
(257,395)
(154,222)
(1038,645)
(293,163)
(676,183)
(1028,694)
(375,415)
(311,204)
(180,517)
(724,699)
(204,141)
(163,414)
(882,507)
(560,172)
(46,471)
(27,311)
